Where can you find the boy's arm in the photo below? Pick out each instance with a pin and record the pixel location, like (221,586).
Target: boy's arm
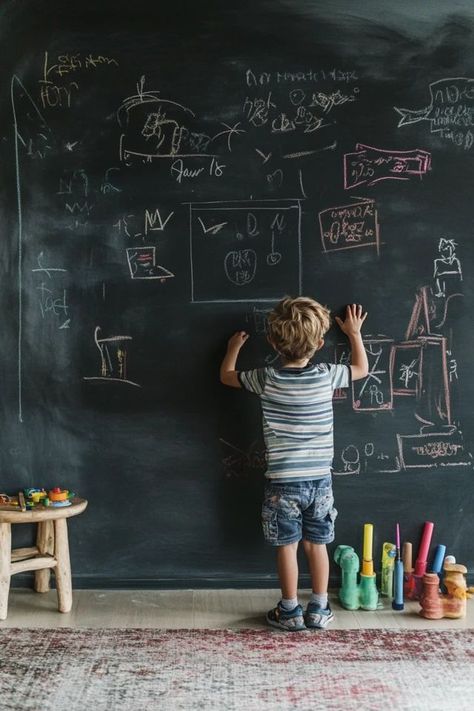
(228,373)
(351,327)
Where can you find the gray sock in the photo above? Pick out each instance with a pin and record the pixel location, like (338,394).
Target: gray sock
(320,599)
(289,605)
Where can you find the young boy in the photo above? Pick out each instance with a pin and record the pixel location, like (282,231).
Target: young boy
(297,413)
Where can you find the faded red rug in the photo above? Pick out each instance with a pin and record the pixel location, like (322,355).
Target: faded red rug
(138,669)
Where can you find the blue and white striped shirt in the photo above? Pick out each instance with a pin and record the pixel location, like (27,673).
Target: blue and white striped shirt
(297,417)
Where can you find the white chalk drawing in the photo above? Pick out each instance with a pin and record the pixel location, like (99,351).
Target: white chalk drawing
(450,112)
(113,352)
(374,392)
(56,91)
(142,264)
(33,139)
(52,298)
(257,320)
(447,269)
(154,222)
(107,187)
(240,266)
(238,462)
(229,131)
(239,248)
(296,110)
(354,460)
(157,128)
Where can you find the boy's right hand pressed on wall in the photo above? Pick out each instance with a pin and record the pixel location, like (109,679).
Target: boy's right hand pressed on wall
(353,320)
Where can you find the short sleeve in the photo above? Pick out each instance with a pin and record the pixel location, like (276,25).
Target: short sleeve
(340,375)
(253,380)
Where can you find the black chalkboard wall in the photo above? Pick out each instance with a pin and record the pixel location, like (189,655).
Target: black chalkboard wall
(169,171)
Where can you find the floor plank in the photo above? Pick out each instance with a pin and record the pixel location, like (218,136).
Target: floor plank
(197,609)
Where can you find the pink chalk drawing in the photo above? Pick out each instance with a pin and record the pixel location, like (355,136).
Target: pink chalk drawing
(430,311)
(407,360)
(350,226)
(421,367)
(368,165)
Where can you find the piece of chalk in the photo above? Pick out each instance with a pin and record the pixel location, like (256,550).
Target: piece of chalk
(407,557)
(437,563)
(421,561)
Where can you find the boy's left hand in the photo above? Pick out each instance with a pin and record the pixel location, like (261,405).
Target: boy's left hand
(353,321)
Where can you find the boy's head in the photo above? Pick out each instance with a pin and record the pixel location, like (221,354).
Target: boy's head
(296,327)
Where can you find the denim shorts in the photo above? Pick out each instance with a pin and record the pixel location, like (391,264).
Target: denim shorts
(304,509)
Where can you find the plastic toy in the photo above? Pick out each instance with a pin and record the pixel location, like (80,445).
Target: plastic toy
(28,498)
(34,496)
(60,497)
(353,595)
(388,562)
(57,497)
(434,604)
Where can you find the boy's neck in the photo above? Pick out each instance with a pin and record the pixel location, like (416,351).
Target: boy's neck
(296,363)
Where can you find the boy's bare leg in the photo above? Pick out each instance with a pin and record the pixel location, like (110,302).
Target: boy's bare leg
(318,561)
(287,563)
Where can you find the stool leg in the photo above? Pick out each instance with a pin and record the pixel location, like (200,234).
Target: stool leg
(63,565)
(45,544)
(5,562)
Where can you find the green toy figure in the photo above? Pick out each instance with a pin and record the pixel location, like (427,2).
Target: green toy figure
(353,595)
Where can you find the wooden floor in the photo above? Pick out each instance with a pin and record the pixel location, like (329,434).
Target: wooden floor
(196,609)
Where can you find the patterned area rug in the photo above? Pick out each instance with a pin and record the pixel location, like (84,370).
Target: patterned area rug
(115,670)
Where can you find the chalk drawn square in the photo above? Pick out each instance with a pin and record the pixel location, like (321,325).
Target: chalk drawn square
(433,449)
(349,226)
(407,368)
(245,250)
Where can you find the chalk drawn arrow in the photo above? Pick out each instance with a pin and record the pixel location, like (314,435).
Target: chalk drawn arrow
(214,229)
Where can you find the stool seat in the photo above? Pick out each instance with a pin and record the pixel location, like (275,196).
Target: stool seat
(50,553)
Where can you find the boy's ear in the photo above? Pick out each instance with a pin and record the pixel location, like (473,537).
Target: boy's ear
(321,344)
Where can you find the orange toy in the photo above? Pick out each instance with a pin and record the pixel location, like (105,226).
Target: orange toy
(58,494)
(435,605)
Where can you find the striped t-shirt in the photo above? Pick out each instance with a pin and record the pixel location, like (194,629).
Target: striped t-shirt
(297,417)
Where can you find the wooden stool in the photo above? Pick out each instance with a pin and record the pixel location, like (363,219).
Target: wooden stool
(51,551)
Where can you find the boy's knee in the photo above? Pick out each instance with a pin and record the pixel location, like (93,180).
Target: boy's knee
(288,546)
(310,545)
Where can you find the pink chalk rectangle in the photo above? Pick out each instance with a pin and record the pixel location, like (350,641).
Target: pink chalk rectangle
(349,226)
(368,165)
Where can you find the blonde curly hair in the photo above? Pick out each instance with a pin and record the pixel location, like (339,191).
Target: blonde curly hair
(296,326)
